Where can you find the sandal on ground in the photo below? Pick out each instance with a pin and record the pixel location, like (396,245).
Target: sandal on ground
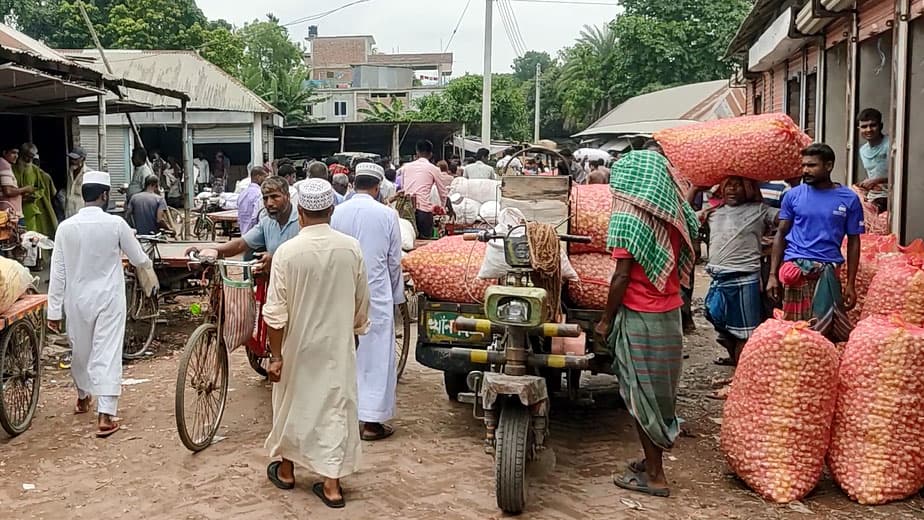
(272,473)
(102,433)
(638,466)
(385,432)
(78,409)
(318,489)
(638,481)
(724,362)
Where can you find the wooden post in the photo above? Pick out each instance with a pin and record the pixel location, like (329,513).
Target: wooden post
(101,128)
(188,166)
(342,137)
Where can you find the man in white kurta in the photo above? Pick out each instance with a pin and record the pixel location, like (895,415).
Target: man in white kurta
(88,286)
(376,228)
(318,299)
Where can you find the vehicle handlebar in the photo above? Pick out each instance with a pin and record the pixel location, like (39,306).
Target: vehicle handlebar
(485,236)
(575,239)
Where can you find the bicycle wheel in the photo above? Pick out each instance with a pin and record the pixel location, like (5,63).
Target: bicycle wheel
(140,320)
(20,376)
(402,337)
(201,388)
(204,229)
(257,363)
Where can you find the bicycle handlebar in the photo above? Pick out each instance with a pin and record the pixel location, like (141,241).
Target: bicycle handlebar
(485,236)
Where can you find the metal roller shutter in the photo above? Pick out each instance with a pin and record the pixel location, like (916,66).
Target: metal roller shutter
(117,152)
(837,32)
(222,134)
(875,17)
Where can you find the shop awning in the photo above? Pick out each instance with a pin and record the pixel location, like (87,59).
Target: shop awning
(23,89)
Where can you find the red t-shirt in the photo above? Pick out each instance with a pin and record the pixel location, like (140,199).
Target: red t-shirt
(641,294)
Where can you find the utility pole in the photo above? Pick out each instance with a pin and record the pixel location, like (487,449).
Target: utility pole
(486,79)
(536,123)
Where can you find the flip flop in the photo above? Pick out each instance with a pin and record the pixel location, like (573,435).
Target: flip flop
(272,473)
(103,433)
(724,362)
(637,466)
(79,411)
(318,489)
(386,432)
(638,482)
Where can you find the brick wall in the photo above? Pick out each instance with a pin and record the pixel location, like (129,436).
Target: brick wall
(338,52)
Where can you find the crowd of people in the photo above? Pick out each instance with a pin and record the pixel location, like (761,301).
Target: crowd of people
(331,249)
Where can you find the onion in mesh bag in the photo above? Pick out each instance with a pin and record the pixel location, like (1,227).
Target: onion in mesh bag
(877,446)
(591,206)
(777,419)
(897,289)
(594,270)
(447,270)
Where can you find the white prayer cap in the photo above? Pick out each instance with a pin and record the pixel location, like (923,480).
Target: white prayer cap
(315,195)
(369,169)
(95,177)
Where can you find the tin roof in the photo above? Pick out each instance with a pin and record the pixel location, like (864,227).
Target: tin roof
(208,87)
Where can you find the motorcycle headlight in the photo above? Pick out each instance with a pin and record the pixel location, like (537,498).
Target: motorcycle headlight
(514,311)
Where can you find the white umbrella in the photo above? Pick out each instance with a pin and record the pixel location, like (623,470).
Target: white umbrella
(591,154)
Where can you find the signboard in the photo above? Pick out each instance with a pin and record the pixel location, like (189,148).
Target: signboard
(439,328)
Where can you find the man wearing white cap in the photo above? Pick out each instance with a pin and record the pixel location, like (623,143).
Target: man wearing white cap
(318,300)
(88,286)
(376,227)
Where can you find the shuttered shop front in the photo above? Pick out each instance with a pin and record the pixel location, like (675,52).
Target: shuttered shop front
(875,17)
(222,134)
(118,153)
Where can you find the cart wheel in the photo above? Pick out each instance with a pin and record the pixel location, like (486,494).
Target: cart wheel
(512,447)
(20,376)
(402,337)
(140,321)
(201,388)
(257,363)
(204,229)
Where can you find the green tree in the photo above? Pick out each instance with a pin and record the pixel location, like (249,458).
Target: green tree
(524,67)
(461,101)
(396,111)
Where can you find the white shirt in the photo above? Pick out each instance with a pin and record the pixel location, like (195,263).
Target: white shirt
(204,175)
(515,164)
(478,170)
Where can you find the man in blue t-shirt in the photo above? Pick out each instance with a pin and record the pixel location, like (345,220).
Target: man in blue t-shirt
(814,219)
(874,154)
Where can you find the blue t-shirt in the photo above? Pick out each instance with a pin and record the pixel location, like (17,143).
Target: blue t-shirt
(820,220)
(269,235)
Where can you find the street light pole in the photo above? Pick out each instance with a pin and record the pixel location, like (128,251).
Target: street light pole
(536,123)
(486,79)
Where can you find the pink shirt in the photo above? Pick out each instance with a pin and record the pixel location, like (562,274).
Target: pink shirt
(418,178)
(8,179)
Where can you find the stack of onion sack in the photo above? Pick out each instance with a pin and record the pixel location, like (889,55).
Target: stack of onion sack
(897,289)
(591,207)
(877,448)
(764,147)
(594,270)
(447,270)
(777,420)
(872,249)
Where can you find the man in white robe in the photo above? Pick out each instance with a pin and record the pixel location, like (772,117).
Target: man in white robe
(318,300)
(88,286)
(376,227)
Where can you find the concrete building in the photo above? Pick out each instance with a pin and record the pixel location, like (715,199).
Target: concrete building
(349,74)
(822,61)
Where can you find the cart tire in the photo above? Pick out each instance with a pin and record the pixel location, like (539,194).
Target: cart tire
(455,383)
(139,333)
(20,376)
(402,337)
(204,229)
(512,445)
(257,363)
(203,379)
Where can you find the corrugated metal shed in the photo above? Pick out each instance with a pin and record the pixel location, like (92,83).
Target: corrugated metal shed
(655,111)
(209,87)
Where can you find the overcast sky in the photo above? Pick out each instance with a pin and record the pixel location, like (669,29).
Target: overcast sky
(425,25)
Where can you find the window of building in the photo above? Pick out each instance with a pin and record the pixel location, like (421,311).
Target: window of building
(758,104)
(793,98)
(329,75)
(811,103)
(340,108)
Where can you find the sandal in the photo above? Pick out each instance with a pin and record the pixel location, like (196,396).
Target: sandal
(638,481)
(638,466)
(102,433)
(272,473)
(385,432)
(318,489)
(83,406)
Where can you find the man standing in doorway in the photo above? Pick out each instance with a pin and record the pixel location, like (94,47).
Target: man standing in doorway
(814,219)
(88,286)
(376,228)
(419,178)
(478,169)
(205,171)
(250,202)
(147,211)
(875,157)
(76,167)
(140,174)
(317,302)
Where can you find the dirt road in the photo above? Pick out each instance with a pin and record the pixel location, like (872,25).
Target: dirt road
(433,467)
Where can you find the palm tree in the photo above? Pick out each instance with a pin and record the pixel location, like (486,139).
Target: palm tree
(587,70)
(378,111)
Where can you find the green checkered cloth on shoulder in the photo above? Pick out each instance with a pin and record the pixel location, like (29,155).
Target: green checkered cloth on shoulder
(647,203)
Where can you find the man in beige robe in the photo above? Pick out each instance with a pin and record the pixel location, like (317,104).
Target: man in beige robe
(318,300)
